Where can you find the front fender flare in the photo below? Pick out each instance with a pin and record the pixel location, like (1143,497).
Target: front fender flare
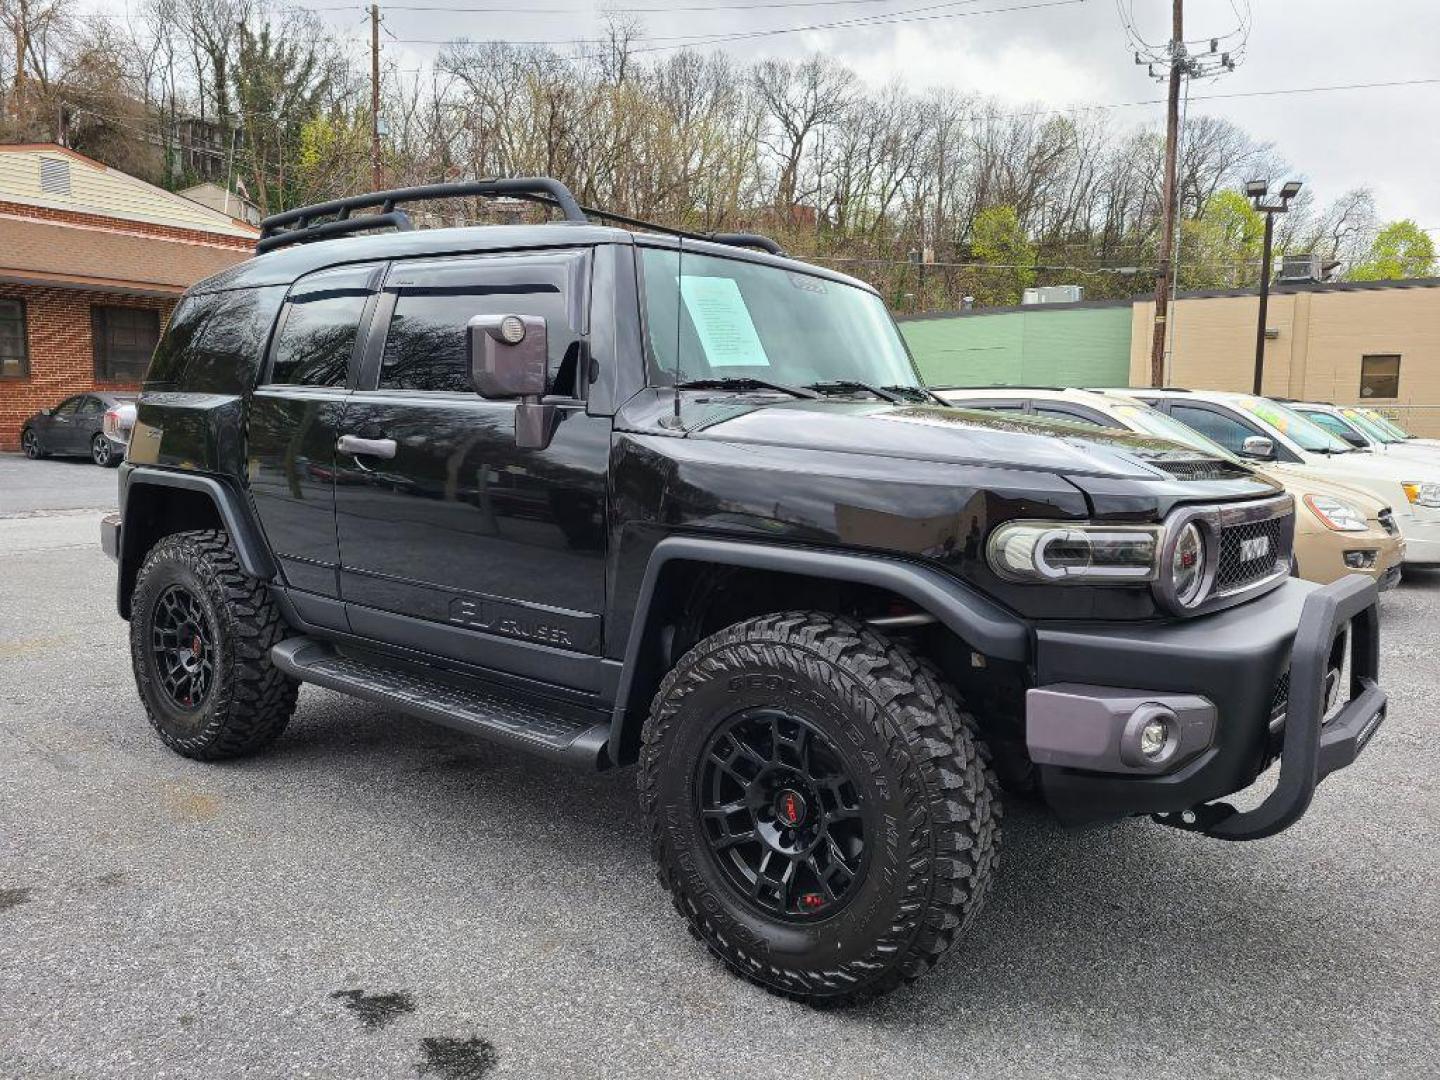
(979,621)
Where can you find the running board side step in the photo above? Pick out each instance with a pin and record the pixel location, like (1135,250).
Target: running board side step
(566,733)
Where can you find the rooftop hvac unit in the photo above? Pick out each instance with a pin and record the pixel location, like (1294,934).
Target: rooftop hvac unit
(1054,294)
(1300,268)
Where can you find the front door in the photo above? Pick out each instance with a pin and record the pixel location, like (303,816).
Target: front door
(452,540)
(60,430)
(294,419)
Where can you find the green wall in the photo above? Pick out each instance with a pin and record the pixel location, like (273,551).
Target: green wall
(1045,346)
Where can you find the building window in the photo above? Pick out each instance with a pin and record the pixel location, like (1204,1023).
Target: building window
(124,339)
(1380,376)
(14,355)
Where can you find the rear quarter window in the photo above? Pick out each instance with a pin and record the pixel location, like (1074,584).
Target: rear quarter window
(215,343)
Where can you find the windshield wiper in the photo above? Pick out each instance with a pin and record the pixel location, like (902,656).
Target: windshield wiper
(744,383)
(923,393)
(840,386)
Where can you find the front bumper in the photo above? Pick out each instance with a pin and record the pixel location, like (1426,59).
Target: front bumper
(1421,528)
(1234,661)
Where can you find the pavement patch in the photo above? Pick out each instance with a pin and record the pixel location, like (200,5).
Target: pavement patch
(376,1010)
(458,1059)
(185,804)
(13,898)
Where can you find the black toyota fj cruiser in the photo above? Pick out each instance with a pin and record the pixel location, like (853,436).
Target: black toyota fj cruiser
(620,495)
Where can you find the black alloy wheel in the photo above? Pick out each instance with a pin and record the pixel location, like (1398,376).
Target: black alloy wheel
(821,808)
(101,452)
(201,630)
(782,814)
(182,644)
(30,443)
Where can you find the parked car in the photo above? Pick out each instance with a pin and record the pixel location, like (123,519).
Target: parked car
(1263,430)
(626,496)
(77,428)
(1365,433)
(1392,427)
(1339,529)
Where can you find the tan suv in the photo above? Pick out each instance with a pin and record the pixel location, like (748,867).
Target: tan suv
(1339,529)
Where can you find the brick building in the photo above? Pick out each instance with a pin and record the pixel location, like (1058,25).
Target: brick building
(92,262)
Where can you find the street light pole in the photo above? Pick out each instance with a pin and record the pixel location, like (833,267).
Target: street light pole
(1258,191)
(1264,303)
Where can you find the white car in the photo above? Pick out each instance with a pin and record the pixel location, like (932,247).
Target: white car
(1264,430)
(1365,432)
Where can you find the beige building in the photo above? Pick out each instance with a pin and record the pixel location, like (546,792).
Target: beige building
(1372,343)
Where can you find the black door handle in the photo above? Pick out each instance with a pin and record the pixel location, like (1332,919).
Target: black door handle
(354,444)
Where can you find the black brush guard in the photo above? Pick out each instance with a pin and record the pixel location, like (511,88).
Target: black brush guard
(1312,749)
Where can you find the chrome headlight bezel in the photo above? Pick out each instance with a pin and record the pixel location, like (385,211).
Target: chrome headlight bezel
(1049,552)
(1011,548)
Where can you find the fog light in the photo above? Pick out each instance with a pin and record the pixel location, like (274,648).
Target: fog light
(1153,737)
(1361,560)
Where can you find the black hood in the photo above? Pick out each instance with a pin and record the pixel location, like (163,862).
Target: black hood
(960,436)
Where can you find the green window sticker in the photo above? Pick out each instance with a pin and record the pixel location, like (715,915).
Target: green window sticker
(722,322)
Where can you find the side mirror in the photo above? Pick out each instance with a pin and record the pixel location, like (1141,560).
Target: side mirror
(510,358)
(1258,447)
(1357,441)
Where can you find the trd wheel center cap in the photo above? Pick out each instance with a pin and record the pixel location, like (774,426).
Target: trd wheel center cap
(790,808)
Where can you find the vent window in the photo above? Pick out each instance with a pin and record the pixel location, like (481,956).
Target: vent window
(54,176)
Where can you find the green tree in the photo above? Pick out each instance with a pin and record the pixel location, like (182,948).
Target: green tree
(1400,250)
(997,238)
(1222,247)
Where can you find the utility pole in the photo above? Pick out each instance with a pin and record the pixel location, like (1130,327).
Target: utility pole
(1167,237)
(375,170)
(1177,63)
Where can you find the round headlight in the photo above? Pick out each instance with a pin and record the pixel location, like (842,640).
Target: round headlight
(1187,565)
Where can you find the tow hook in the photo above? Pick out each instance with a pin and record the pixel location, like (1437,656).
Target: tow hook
(1199,819)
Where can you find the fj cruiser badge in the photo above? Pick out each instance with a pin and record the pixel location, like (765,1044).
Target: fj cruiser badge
(1256,547)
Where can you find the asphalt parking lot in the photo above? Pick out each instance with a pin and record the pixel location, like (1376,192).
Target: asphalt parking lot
(380,898)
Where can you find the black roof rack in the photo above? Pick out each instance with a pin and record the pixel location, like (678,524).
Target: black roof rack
(300,225)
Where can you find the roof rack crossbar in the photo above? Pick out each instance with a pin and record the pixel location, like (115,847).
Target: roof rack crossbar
(295,226)
(299,226)
(328,230)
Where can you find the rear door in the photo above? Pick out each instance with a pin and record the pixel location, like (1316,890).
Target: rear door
(452,539)
(294,416)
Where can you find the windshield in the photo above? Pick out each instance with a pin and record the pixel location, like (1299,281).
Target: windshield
(1304,433)
(744,320)
(1153,422)
(1370,427)
(1382,421)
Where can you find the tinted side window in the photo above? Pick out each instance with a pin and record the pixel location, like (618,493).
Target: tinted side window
(91,406)
(426,346)
(68,406)
(1229,433)
(215,341)
(321,324)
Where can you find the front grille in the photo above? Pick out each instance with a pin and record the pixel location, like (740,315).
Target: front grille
(1251,551)
(1280,698)
(1201,469)
(1387,521)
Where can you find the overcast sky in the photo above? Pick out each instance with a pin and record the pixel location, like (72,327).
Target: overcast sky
(1070,53)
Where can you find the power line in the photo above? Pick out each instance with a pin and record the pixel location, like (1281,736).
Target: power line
(910,15)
